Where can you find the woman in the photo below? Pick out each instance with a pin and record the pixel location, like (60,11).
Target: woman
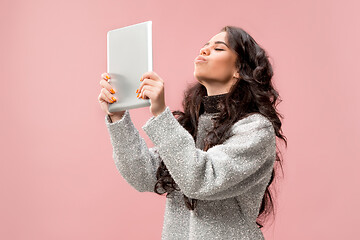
(216,159)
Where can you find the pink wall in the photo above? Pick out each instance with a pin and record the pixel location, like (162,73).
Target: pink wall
(57,176)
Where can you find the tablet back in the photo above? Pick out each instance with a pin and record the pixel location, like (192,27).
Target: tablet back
(129,56)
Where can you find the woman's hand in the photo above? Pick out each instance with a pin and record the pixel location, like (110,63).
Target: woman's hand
(152,87)
(105,97)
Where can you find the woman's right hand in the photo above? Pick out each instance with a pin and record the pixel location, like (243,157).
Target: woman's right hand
(106,97)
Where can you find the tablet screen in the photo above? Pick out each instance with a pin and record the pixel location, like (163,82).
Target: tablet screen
(129,56)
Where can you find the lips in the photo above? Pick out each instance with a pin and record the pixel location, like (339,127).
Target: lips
(200,58)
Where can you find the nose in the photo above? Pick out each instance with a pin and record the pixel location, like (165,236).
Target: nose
(204,51)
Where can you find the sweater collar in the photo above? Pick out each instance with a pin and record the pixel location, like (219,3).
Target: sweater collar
(211,102)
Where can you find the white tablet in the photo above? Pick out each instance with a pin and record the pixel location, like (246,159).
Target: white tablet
(129,56)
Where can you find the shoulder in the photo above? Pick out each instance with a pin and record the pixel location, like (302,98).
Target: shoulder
(255,121)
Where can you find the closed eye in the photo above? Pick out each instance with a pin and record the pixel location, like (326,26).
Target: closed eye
(219,49)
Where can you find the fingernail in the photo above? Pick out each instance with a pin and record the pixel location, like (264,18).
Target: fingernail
(107,77)
(140,79)
(114,99)
(138,95)
(112,91)
(137,90)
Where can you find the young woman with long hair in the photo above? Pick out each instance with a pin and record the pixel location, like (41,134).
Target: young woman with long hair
(216,160)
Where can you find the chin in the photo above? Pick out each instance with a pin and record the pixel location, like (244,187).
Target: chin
(197,77)
(199,74)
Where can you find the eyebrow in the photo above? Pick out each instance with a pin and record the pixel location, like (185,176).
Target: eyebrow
(217,42)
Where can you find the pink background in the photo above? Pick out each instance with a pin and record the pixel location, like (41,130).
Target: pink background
(57,176)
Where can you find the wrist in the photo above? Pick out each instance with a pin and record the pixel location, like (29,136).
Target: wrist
(161,111)
(116,116)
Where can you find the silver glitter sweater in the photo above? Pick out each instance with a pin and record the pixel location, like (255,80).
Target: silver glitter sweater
(228,179)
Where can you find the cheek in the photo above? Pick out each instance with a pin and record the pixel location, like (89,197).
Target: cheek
(223,64)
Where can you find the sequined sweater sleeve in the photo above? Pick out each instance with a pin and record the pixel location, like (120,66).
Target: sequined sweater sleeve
(134,160)
(224,170)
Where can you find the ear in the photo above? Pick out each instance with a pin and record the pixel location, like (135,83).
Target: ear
(236,75)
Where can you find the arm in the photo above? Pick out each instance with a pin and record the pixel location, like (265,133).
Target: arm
(223,171)
(136,163)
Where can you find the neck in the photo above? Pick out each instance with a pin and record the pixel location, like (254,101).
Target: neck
(216,93)
(217,87)
(217,90)
(211,103)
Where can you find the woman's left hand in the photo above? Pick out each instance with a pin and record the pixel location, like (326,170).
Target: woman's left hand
(152,87)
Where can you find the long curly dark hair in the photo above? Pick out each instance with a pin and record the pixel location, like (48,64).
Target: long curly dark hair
(252,93)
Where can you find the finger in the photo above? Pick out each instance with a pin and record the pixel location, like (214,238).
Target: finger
(107,85)
(107,96)
(147,92)
(151,75)
(104,98)
(105,76)
(148,82)
(104,105)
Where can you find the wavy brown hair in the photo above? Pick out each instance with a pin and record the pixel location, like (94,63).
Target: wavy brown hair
(252,93)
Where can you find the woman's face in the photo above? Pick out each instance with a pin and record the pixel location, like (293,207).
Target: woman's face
(218,69)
